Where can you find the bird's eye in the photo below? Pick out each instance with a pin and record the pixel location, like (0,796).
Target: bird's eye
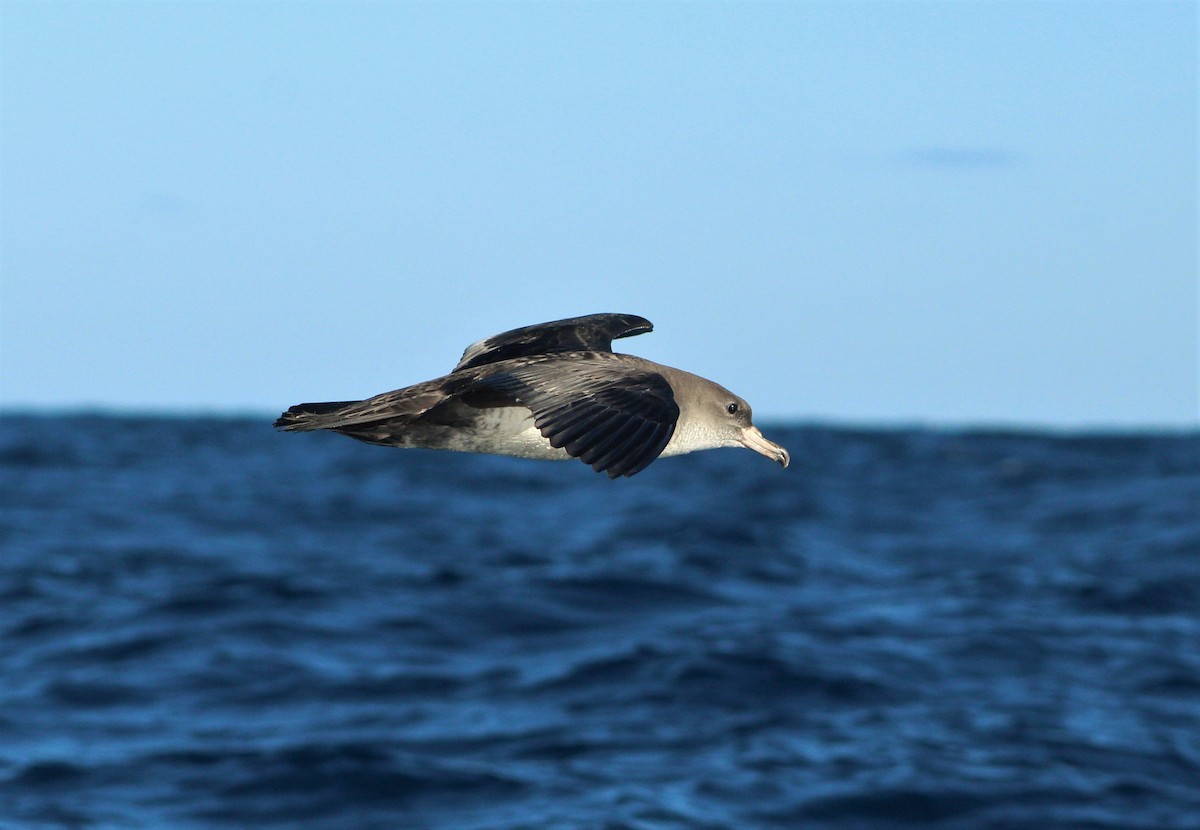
(732,408)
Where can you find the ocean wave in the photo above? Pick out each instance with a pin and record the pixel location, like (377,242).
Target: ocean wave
(207,625)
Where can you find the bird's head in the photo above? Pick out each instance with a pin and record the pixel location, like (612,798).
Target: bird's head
(736,423)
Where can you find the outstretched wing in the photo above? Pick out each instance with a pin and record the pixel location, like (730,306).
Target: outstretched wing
(597,409)
(591,333)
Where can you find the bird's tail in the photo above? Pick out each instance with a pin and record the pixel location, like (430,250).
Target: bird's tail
(304,417)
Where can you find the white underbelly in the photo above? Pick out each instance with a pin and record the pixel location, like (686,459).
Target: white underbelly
(529,443)
(505,430)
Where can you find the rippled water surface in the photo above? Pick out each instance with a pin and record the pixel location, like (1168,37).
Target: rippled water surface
(205,624)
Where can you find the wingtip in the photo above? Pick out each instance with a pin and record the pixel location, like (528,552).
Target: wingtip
(287,422)
(634,324)
(306,416)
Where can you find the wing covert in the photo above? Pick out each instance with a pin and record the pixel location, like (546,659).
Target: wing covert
(614,420)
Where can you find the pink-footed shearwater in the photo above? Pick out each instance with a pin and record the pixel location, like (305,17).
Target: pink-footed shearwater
(552,391)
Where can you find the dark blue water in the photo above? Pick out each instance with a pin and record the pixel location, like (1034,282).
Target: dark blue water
(205,624)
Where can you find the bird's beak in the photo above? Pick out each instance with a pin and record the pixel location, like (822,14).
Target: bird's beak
(752,439)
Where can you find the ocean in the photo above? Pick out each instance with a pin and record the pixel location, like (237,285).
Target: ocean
(208,624)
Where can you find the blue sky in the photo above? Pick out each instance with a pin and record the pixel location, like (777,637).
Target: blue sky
(952,213)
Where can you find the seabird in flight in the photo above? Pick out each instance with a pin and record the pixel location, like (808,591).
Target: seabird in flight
(552,391)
